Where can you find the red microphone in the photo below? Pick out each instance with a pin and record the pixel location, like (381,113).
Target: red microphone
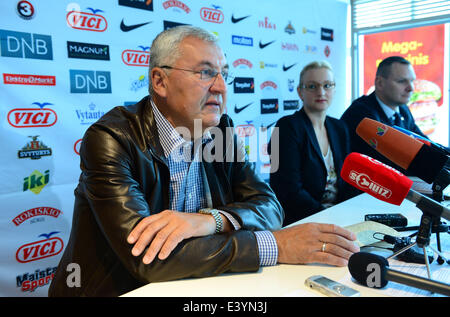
(412,155)
(386,183)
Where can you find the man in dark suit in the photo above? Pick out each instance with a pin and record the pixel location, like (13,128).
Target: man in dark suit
(387,104)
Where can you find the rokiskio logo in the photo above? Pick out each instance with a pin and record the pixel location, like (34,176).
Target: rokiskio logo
(87,21)
(364,182)
(28,282)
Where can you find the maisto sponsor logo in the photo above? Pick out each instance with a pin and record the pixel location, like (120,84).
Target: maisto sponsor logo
(269,106)
(35,212)
(211,15)
(266,24)
(244,130)
(22,79)
(177,4)
(40,249)
(87,21)
(28,282)
(242,63)
(268,83)
(137,58)
(32,117)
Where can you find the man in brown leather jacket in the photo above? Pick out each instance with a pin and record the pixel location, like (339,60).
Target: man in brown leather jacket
(135,220)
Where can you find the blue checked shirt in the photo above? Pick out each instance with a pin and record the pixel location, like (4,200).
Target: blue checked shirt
(187,191)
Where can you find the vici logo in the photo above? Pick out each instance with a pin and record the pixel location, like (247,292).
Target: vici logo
(87,21)
(212,15)
(41,249)
(32,117)
(244,130)
(137,58)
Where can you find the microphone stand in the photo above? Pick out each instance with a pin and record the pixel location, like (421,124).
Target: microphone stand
(438,226)
(423,238)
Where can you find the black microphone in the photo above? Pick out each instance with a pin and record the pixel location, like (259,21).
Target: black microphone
(372,270)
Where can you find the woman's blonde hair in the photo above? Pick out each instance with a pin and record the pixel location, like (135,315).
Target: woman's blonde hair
(314,65)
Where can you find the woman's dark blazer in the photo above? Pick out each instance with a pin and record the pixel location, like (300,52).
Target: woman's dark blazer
(300,180)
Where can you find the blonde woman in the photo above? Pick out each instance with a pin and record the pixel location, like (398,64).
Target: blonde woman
(312,149)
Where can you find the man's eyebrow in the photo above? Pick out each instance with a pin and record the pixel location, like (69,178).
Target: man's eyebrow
(209,64)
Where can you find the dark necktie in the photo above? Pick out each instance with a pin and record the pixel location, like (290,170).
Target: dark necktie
(396,120)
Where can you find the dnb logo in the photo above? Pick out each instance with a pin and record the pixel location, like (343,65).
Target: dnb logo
(32,117)
(87,21)
(137,58)
(50,246)
(212,14)
(90,82)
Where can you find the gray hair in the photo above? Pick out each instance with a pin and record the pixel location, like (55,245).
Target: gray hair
(165,48)
(314,65)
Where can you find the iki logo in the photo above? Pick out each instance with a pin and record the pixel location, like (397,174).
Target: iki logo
(34,149)
(87,21)
(41,249)
(212,14)
(137,58)
(36,181)
(32,117)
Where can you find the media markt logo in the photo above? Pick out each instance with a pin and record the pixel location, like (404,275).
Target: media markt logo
(34,149)
(36,181)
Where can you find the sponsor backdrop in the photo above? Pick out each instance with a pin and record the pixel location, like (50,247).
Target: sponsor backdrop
(63,64)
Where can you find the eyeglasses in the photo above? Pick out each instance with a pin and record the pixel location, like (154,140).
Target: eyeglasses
(205,74)
(314,86)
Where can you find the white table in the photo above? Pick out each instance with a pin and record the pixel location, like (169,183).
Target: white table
(288,280)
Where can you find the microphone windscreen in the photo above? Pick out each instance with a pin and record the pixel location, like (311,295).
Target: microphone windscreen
(368,269)
(375,178)
(428,164)
(389,142)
